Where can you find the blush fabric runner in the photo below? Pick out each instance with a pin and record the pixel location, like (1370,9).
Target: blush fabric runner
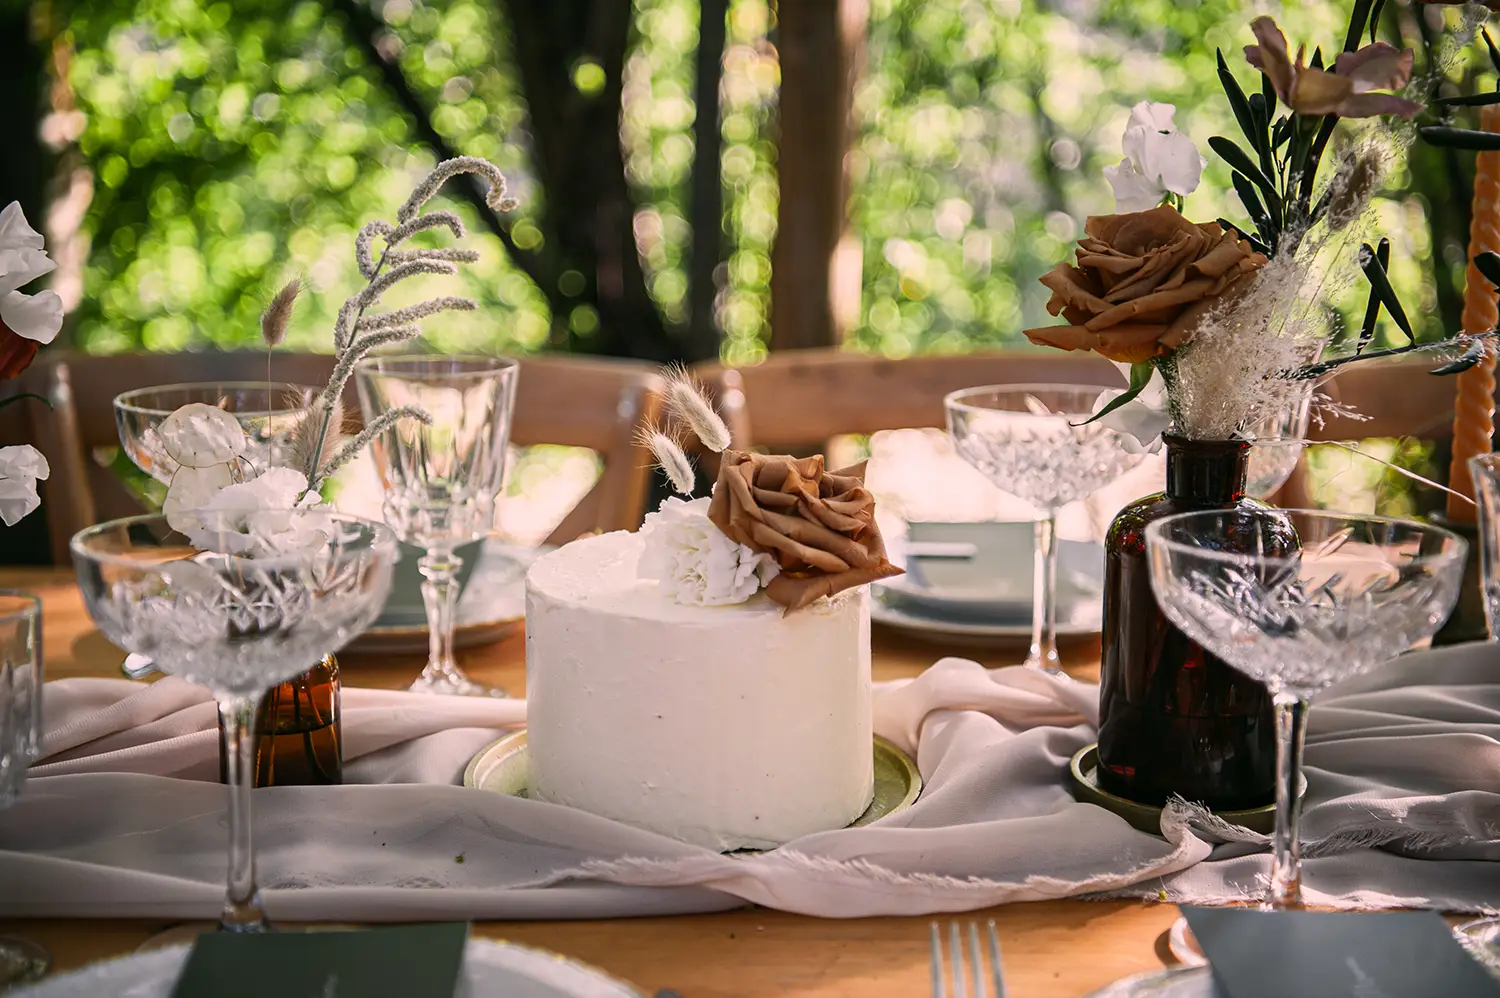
(122,817)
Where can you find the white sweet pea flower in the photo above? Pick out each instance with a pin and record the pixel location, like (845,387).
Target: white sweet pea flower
(20,469)
(694,562)
(22,260)
(255,518)
(1158,160)
(1143,419)
(200,436)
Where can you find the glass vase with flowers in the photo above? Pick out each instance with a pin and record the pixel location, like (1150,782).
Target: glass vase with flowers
(1222,328)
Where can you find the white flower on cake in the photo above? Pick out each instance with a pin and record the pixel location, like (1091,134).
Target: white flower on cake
(20,468)
(694,562)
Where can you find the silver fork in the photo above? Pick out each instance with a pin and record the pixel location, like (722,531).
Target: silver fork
(966,971)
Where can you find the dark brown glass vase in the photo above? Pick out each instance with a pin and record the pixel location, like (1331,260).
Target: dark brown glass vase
(298,738)
(1174,719)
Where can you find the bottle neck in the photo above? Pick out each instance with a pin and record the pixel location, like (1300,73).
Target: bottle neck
(1206,471)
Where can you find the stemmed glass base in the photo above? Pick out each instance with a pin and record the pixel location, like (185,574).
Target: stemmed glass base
(1043,655)
(439,568)
(21,961)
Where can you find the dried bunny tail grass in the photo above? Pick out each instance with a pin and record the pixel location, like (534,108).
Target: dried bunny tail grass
(317,432)
(687,403)
(278,315)
(670,458)
(496,198)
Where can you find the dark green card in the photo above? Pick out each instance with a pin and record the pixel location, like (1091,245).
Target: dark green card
(1287,954)
(414,961)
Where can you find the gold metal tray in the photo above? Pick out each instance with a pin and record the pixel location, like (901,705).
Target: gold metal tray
(503,767)
(1084,773)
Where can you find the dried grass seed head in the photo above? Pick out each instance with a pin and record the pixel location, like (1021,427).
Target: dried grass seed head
(687,403)
(670,458)
(278,314)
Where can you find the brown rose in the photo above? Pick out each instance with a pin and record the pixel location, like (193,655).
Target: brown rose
(819,525)
(1142,283)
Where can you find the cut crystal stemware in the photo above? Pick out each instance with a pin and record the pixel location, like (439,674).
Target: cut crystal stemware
(1035,442)
(236,624)
(441,479)
(21,960)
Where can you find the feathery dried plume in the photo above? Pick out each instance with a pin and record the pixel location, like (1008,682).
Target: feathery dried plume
(669,458)
(687,403)
(380,285)
(1349,193)
(356,351)
(421,223)
(496,198)
(317,432)
(368,266)
(379,425)
(411,313)
(278,315)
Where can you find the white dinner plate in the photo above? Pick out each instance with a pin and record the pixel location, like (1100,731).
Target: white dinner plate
(955,631)
(994,585)
(491,970)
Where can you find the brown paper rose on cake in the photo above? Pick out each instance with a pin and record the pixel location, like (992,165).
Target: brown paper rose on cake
(819,525)
(1142,283)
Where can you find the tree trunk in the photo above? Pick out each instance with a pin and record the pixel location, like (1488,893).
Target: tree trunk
(820,43)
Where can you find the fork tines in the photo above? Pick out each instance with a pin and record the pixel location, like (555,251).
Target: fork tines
(966,970)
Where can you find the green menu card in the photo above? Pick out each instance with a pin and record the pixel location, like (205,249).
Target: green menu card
(414,961)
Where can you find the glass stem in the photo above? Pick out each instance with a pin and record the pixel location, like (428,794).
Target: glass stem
(440,596)
(1286,848)
(1044,599)
(242,910)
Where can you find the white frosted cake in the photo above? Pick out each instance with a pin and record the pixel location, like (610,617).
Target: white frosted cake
(729,726)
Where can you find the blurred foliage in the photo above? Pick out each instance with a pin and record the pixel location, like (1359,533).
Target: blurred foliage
(235,142)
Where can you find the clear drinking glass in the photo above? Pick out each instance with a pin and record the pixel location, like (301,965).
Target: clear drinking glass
(236,625)
(21,960)
(1277,442)
(1300,599)
(268,410)
(441,480)
(1032,441)
(1485,471)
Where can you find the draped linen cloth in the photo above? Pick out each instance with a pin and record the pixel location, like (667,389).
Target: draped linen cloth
(122,817)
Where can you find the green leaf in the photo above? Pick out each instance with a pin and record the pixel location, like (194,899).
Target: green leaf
(1469,100)
(1375,13)
(1488,264)
(1317,59)
(1494,52)
(1281,131)
(1473,355)
(1380,285)
(1140,376)
(1459,138)
(1268,90)
(1237,102)
(1241,161)
(1256,210)
(1372,307)
(1358,18)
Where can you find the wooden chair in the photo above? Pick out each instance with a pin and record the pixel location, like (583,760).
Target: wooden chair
(570,401)
(804,397)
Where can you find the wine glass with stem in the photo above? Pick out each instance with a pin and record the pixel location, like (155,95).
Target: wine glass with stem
(238,624)
(1276,445)
(1035,442)
(21,960)
(1299,600)
(441,479)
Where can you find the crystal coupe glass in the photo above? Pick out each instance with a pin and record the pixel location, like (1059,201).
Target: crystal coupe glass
(441,480)
(268,411)
(1301,599)
(1033,441)
(234,623)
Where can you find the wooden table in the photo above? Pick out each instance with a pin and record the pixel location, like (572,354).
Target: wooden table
(1055,949)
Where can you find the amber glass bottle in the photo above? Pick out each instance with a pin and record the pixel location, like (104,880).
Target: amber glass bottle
(1174,719)
(298,739)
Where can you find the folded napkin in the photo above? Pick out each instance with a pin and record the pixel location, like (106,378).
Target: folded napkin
(120,819)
